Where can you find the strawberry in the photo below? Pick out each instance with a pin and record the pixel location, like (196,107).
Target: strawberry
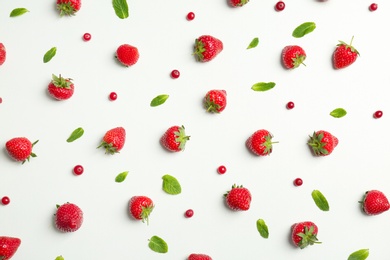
(215,101)
(238,198)
(260,142)
(68,217)
(293,56)
(140,207)
(374,202)
(68,7)
(60,88)
(8,247)
(199,257)
(304,234)
(114,140)
(344,55)
(3,54)
(174,139)
(207,48)
(238,3)
(20,149)
(127,55)
(323,143)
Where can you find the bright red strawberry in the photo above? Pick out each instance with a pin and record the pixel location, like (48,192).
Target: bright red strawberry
(207,48)
(20,149)
(293,56)
(174,139)
(60,88)
(8,247)
(238,198)
(215,101)
(114,140)
(140,207)
(323,143)
(260,142)
(3,54)
(199,257)
(68,7)
(344,55)
(68,217)
(127,55)
(238,3)
(374,202)
(304,234)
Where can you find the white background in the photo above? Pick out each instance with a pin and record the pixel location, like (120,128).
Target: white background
(165,40)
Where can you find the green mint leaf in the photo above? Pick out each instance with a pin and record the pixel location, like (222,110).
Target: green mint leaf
(304,29)
(262,228)
(18,12)
(76,134)
(49,54)
(60,258)
(159,100)
(263,86)
(320,200)
(338,112)
(121,8)
(171,185)
(361,254)
(157,244)
(253,43)
(121,176)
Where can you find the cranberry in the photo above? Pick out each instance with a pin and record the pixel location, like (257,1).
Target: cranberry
(175,74)
(113,96)
(5,200)
(378,114)
(78,170)
(280,6)
(373,7)
(298,182)
(1,100)
(221,169)
(190,16)
(290,105)
(87,37)
(189,213)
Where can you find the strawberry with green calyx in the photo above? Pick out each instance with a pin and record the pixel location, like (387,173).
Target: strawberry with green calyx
(60,88)
(293,56)
(238,3)
(322,143)
(260,142)
(374,202)
(238,198)
(207,48)
(140,208)
(174,139)
(344,55)
(114,140)
(3,54)
(304,234)
(68,7)
(8,247)
(68,218)
(215,101)
(20,149)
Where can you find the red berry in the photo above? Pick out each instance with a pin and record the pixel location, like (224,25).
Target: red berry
(87,37)
(378,114)
(280,6)
(78,170)
(190,16)
(290,105)
(221,169)
(1,100)
(113,96)
(175,74)
(189,213)
(298,182)
(373,7)
(5,200)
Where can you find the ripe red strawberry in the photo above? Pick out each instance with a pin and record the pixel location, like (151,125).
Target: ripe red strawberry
(374,202)
(260,142)
(238,3)
(60,88)
(3,54)
(68,7)
(238,198)
(127,55)
(20,149)
(207,48)
(215,101)
(174,139)
(304,234)
(293,56)
(68,217)
(8,247)
(344,55)
(199,257)
(323,143)
(114,140)
(140,207)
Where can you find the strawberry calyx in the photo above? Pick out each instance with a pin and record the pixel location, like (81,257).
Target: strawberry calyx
(234,186)
(66,9)
(181,137)
(146,211)
(61,82)
(268,144)
(307,237)
(199,50)
(33,155)
(109,147)
(316,143)
(211,106)
(349,46)
(298,60)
